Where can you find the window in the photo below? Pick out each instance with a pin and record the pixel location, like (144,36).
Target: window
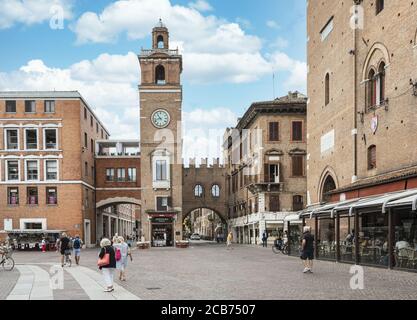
(271,173)
(12,196)
(371,89)
(31,139)
(51,139)
(86,168)
(91,121)
(297,166)
(102,135)
(273,131)
(161,170)
(215,191)
(274,203)
(297,203)
(328,186)
(50,106)
(371,157)
(297,131)
(121,174)
(32,170)
(198,191)
(163,203)
(10,106)
(85,113)
(327,29)
(379,6)
(12,139)
(86,200)
(30,106)
(85,140)
(327,89)
(381,84)
(92,145)
(32,195)
(109,174)
(160,42)
(97,127)
(51,170)
(12,170)
(51,196)
(131,173)
(33,226)
(160,75)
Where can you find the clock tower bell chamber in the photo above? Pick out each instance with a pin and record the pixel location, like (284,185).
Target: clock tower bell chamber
(160,96)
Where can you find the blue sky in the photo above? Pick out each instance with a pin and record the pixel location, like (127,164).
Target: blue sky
(231,49)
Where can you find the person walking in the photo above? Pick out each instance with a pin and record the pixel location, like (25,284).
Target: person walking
(265,239)
(76,245)
(107,263)
(307,250)
(122,252)
(43,245)
(229,240)
(64,245)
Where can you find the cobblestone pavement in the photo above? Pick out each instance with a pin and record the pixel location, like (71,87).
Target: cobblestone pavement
(210,272)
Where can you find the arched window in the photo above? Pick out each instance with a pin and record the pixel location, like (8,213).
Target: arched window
(215,191)
(329,185)
(327,89)
(372,157)
(160,42)
(160,75)
(381,83)
(198,191)
(371,89)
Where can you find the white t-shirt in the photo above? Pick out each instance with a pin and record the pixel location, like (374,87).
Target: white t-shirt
(402,244)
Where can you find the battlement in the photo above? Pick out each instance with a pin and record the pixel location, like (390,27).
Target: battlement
(204,163)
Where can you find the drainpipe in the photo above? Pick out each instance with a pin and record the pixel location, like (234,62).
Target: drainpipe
(355,110)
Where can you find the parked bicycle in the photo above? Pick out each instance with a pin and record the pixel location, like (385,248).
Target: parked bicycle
(7,261)
(280,246)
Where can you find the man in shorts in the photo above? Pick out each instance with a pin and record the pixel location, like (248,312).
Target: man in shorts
(64,247)
(77,243)
(307,250)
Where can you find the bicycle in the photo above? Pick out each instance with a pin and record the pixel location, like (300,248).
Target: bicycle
(7,261)
(278,247)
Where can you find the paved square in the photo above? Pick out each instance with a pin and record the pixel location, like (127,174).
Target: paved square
(203,272)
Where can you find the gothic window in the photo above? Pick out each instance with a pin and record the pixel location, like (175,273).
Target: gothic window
(215,191)
(160,75)
(381,83)
(198,191)
(329,185)
(371,89)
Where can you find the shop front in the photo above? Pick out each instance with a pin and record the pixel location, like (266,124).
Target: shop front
(162,231)
(376,231)
(30,240)
(293,227)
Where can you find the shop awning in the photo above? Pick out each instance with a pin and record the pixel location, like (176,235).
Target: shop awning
(32,231)
(292,217)
(379,202)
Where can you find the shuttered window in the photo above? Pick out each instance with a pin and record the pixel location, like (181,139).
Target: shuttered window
(297,131)
(274,203)
(273,131)
(298,166)
(297,203)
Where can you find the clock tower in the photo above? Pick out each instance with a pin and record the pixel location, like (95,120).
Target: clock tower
(160,94)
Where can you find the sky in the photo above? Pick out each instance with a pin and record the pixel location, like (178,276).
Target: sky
(231,50)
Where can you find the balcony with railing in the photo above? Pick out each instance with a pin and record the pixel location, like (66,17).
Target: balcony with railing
(117,148)
(149,52)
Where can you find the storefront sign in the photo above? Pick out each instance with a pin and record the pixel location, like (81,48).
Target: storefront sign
(161,220)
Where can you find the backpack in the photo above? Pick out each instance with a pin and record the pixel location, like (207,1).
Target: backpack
(77,244)
(118,255)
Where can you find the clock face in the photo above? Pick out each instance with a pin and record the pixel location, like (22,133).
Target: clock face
(160,119)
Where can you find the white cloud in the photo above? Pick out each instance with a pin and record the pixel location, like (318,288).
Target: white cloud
(100,81)
(201,5)
(214,49)
(272,24)
(279,43)
(29,12)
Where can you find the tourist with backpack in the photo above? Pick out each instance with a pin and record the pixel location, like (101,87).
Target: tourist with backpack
(77,243)
(122,252)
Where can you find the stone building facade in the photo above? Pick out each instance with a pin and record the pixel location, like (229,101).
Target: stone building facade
(265,158)
(362,96)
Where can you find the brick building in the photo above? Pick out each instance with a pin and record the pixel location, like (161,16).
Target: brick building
(362,129)
(47,142)
(266,174)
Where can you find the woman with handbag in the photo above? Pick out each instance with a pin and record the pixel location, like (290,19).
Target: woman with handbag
(107,263)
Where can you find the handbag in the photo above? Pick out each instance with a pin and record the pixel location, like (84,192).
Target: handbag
(105,261)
